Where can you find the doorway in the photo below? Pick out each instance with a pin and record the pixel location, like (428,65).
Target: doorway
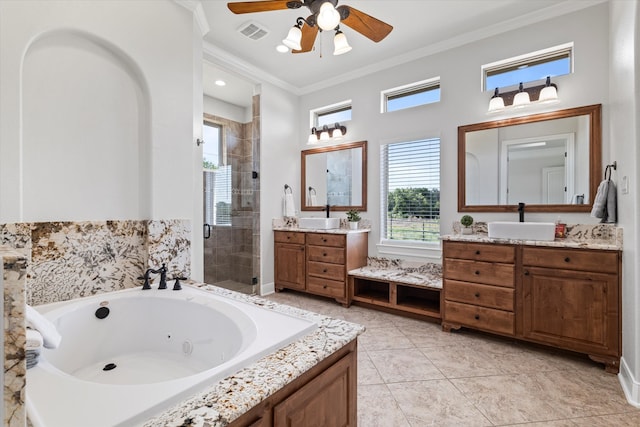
(230,211)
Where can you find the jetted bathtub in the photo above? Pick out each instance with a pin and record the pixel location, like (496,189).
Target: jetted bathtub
(126,356)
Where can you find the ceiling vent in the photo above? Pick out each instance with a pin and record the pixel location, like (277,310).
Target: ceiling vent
(253,30)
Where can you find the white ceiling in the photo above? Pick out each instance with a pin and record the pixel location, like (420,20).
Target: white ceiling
(421,27)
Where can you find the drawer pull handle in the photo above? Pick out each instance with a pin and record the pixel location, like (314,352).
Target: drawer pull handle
(477,317)
(567,259)
(477,294)
(477,252)
(477,273)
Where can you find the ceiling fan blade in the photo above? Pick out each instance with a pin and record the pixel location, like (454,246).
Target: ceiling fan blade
(259,6)
(309,35)
(366,25)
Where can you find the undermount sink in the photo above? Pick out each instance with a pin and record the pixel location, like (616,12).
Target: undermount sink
(319,223)
(522,230)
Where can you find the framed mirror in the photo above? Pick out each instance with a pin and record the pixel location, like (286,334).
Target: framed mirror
(550,161)
(334,175)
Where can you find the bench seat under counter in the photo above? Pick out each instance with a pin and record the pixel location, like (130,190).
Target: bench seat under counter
(565,297)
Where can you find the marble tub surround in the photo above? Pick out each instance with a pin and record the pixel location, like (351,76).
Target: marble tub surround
(223,402)
(398,270)
(586,236)
(14,273)
(68,260)
(290,223)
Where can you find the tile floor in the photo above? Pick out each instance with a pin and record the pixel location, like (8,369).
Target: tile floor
(410,373)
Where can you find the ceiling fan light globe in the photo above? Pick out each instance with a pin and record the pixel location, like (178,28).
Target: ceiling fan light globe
(328,17)
(293,39)
(340,44)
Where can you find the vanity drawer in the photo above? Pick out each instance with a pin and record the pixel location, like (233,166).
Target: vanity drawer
(571,259)
(480,252)
(487,319)
(319,239)
(326,287)
(489,273)
(484,295)
(323,269)
(325,254)
(289,237)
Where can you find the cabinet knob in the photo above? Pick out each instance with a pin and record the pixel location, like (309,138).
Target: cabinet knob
(302,248)
(526,272)
(477,294)
(567,259)
(324,254)
(477,252)
(477,273)
(477,317)
(324,271)
(324,286)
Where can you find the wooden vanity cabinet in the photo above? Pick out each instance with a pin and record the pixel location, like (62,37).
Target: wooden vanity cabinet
(563,297)
(571,299)
(326,395)
(318,263)
(479,287)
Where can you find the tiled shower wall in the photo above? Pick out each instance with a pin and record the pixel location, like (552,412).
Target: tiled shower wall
(230,253)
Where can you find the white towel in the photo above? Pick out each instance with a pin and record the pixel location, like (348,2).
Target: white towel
(50,336)
(289,206)
(611,211)
(34,339)
(313,200)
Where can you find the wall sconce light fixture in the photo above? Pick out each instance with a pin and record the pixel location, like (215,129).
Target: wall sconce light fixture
(326,133)
(546,93)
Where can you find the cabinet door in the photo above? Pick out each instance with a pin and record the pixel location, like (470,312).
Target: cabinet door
(329,400)
(570,309)
(290,266)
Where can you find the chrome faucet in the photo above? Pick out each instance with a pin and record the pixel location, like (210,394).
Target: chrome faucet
(163,277)
(521,212)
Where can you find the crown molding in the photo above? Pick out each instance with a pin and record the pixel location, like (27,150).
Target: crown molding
(220,57)
(195,7)
(556,10)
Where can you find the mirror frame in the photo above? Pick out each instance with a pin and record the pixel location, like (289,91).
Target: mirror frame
(595,158)
(303,173)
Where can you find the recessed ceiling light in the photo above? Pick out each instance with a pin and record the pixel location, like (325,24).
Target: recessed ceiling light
(221,83)
(282,48)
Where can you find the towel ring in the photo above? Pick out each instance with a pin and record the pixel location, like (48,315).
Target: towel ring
(286,187)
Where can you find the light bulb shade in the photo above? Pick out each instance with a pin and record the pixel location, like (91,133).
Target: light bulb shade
(521,99)
(548,94)
(340,44)
(328,17)
(312,139)
(496,103)
(293,38)
(324,135)
(337,133)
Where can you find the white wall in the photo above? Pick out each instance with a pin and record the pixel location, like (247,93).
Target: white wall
(69,116)
(625,116)
(229,111)
(279,165)
(463,103)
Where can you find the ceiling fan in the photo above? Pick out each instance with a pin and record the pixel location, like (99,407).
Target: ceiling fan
(325,15)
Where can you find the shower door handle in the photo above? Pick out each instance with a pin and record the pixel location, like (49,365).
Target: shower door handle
(207,231)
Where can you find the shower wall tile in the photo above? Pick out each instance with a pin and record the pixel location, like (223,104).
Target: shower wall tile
(13,267)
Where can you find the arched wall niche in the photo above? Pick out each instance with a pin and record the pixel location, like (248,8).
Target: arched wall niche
(86,143)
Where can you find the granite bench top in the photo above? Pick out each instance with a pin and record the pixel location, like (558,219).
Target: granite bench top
(393,270)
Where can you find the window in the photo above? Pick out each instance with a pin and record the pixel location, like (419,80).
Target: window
(535,66)
(217,176)
(412,95)
(411,190)
(331,114)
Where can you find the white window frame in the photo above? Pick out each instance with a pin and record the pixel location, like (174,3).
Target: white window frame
(327,109)
(411,250)
(408,89)
(551,52)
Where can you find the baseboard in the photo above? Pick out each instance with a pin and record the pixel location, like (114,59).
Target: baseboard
(267,289)
(630,385)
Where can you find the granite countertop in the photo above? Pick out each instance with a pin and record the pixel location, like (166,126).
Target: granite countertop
(329,231)
(427,275)
(557,243)
(226,400)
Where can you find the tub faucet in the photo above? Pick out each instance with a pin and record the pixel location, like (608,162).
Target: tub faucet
(521,212)
(163,277)
(328,209)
